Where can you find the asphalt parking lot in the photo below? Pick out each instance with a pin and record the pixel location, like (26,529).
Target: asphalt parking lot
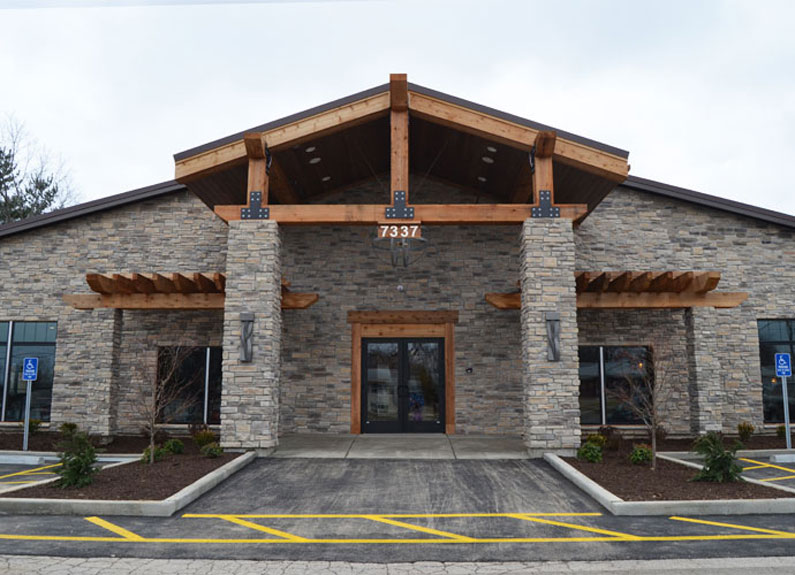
(389,510)
(12,476)
(762,469)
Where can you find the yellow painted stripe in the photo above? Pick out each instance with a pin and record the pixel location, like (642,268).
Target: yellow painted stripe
(754,467)
(128,535)
(768,465)
(390,515)
(16,482)
(734,526)
(575,526)
(41,473)
(419,528)
(29,471)
(258,527)
(777,478)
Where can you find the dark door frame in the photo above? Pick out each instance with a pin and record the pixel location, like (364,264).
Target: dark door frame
(402,323)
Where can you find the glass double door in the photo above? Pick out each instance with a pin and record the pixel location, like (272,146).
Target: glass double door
(403,385)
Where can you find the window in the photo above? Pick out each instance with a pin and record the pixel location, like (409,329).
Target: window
(605,371)
(197,373)
(18,340)
(775,336)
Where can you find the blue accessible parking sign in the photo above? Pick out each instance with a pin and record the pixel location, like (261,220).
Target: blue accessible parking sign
(30,368)
(783,365)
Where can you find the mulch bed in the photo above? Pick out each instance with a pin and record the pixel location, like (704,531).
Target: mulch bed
(48,441)
(669,482)
(756,442)
(136,480)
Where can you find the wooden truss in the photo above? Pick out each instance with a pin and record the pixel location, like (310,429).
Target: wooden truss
(533,198)
(640,289)
(167,291)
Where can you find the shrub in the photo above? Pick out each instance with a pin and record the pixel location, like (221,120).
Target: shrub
(781,431)
(194,428)
(204,437)
(160,453)
(745,430)
(77,460)
(596,439)
(212,450)
(33,425)
(67,429)
(613,439)
(590,452)
(641,454)
(719,464)
(174,446)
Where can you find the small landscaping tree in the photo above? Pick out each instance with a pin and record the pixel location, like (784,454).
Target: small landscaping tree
(78,458)
(170,391)
(646,390)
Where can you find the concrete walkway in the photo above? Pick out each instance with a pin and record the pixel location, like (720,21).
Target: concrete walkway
(117,566)
(400,446)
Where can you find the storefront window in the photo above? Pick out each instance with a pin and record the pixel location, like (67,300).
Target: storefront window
(193,374)
(775,336)
(609,375)
(28,339)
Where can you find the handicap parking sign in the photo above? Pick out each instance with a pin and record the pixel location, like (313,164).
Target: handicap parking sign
(30,368)
(783,365)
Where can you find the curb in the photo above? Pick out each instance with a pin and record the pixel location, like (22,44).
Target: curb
(618,506)
(164,508)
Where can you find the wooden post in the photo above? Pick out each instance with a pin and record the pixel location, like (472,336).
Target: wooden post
(542,176)
(399,123)
(258,180)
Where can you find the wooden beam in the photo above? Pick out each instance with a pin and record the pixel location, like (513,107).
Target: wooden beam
(143,284)
(257,167)
(660,300)
(661,282)
(293,133)
(545,144)
(403,316)
(705,281)
(646,300)
(681,281)
(146,301)
(123,284)
(399,135)
(219,280)
(163,284)
(294,300)
(619,281)
(578,155)
(398,92)
(598,282)
(641,282)
(184,284)
(369,214)
(204,283)
(581,280)
(100,283)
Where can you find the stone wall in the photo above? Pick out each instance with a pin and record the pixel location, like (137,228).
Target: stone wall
(174,232)
(460,265)
(641,231)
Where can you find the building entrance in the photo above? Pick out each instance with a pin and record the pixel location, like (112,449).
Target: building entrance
(403,388)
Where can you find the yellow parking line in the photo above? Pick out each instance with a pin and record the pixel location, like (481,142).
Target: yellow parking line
(575,526)
(258,527)
(734,526)
(128,535)
(41,473)
(777,478)
(455,536)
(768,465)
(16,482)
(29,471)
(754,467)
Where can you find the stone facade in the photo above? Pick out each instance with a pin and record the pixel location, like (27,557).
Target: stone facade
(551,386)
(250,394)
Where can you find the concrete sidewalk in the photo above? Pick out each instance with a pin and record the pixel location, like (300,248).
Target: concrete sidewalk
(116,566)
(400,446)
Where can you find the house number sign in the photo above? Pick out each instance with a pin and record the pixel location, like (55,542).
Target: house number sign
(399,231)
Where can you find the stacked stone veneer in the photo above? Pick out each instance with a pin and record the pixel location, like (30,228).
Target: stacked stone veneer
(639,231)
(173,232)
(250,394)
(551,388)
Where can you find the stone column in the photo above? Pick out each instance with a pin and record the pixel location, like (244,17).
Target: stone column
(87,354)
(250,393)
(551,388)
(706,386)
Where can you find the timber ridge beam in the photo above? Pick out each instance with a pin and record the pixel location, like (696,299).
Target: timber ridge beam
(645,300)
(436,110)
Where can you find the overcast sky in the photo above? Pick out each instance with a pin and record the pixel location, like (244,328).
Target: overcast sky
(701,93)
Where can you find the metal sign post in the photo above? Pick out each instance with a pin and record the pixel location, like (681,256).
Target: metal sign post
(784,370)
(30,372)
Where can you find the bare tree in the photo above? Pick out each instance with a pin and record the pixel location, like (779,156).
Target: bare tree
(164,394)
(31,182)
(646,390)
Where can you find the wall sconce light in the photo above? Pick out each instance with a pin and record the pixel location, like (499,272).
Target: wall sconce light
(553,335)
(246,336)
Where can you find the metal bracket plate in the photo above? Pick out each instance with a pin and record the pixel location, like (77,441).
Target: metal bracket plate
(255,211)
(545,208)
(399,210)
